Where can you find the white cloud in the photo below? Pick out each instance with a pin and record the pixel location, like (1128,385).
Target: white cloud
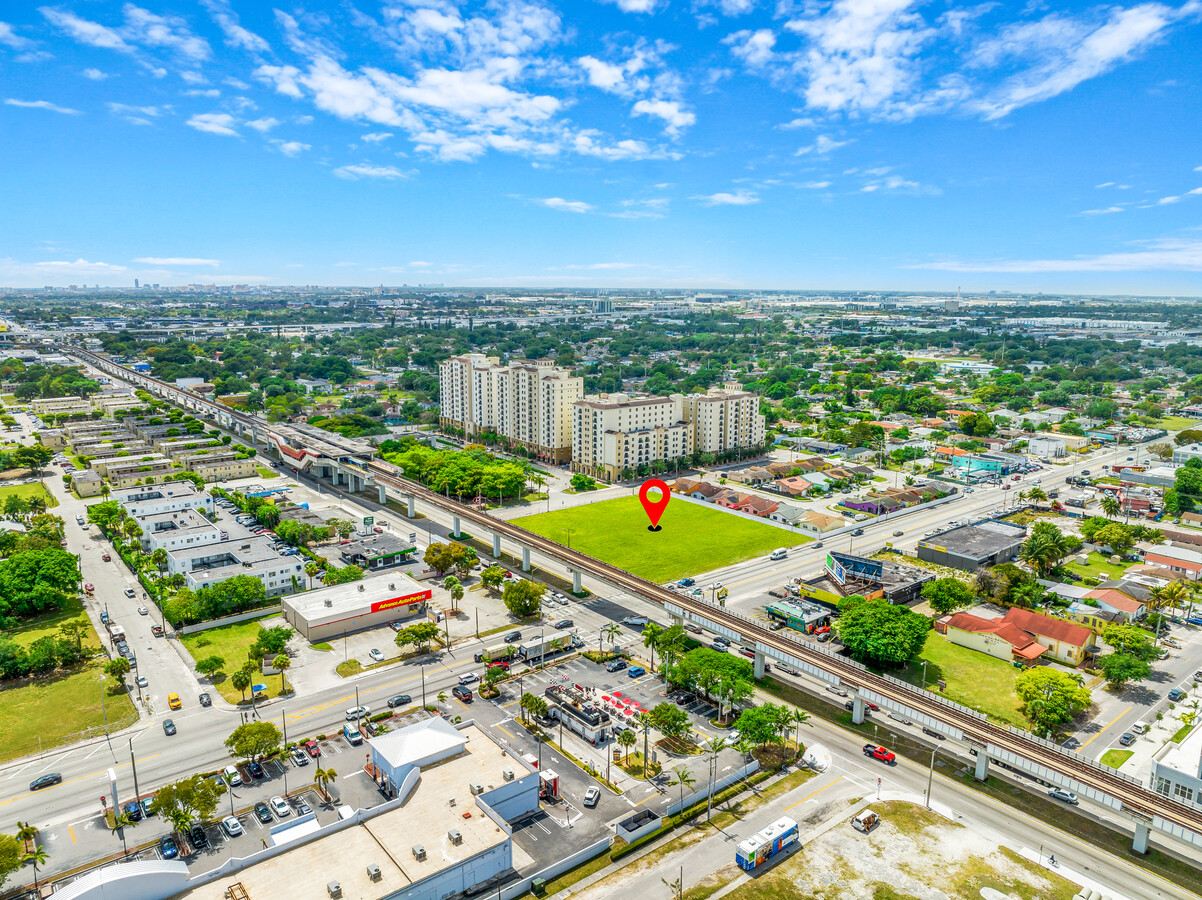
(1175,254)
(291,148)
(95,74)
(78,266)
(152,30)
(214,123)
(41,104)
(575,206)
(652,208)
(814,185)
(264,124)
(283,78)
(675,118)
(235,34)
(601,74)
(754,48)
(210,93)
(803,122)
(636,6)
(177,261)
(822,145)
(740,197)
(421,264)
(1102,212)
(1105,184)
(91,33)
(354,173)
(897,183)
(376,137)
(10,38)
(1165,201)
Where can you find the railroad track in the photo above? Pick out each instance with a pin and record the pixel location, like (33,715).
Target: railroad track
(1134,797)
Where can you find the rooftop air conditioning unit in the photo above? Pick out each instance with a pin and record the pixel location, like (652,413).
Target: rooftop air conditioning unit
(329,602)
(373,872)
(419,852)
(476,788)
(335,889)
(454,836)
(507,775)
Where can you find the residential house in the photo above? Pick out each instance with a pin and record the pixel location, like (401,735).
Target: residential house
(1064,641)
(820,523)
(1116,601)
(794,486)
(1176,559)
(994,637)
(757,506)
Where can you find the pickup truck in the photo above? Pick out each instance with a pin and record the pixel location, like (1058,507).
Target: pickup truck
(884,754)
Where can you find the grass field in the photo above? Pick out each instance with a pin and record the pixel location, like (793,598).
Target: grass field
(1115,758)
(1178,423)
(974,679)
(1099,566)
(231,643)
(72,611)
(28,491)
(693,538)
(60,709)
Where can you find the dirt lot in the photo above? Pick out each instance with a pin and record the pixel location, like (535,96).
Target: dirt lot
(913,854)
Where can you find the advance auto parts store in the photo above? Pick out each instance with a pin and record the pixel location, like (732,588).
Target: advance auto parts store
(333,611)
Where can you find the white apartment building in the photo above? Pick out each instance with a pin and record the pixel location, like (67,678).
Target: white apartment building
(528,402)
(725,418)
(162,498)
(615,432)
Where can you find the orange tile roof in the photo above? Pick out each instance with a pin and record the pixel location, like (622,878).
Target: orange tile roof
(1047,627)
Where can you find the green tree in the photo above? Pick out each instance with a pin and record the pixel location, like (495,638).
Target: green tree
(670,720)
(241,681)
(117,667)
(1110,506)
(1119,668)
(877,630)
(455,588)
(523,597)
(189,799)
(210,665)
(311,569)
(11,854)
(684,779)
(282,663)
(38,856)
(1130,640)
(420,635)
(626,739)
(322,778)
(253,740)
(1051,697)
(948,594)
(492,577)
(651,635)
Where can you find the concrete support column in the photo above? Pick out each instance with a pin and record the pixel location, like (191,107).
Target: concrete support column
(759,664)
(455,526)
(1141,837)
(382,493)
(412,508)
(982,770)
(496,546)
(525,559)
(857,711)
(676,620)
(577,588)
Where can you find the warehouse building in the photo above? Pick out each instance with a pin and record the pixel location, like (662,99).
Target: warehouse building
(345,608)
(976,546)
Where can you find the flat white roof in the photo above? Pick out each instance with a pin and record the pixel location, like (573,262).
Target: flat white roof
(356,598)
(1187,756)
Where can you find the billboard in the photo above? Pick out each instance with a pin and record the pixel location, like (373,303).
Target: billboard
(835,569)
(406,600)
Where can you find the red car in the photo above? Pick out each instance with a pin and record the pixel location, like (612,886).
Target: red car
(311,748)
(884,754)
(89,587)
(107,558)
(156,630)
(499,664)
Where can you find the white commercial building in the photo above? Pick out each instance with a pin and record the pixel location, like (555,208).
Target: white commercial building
(160,498)
(725,418)
(345,608)
(528,402)
(1177,770)
(612,433)
(1046,446)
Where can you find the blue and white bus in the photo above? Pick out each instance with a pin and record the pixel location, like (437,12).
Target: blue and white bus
(766,843)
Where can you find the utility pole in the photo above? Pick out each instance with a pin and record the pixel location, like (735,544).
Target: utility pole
(931,776)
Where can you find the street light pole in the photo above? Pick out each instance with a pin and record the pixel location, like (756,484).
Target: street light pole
(931,776)
(284,763)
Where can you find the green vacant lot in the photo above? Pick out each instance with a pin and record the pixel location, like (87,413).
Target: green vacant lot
(1099,567)
(231,643)
(693,538)
(27,492)
(974,679)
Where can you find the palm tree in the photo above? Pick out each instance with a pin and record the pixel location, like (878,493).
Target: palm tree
(121,821)
(323,777)
(105,490)
(26,833)
(643,721)
(611,631)
(626,739)
(1110,506)
(241,681)
(651,633)
(1037,494)
(800,717)
(283,663)
(453,584)
(311,569)
(37,505)
(38,857)
(684,778)
(159,558)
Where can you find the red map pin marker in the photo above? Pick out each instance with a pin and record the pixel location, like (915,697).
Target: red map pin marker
(654,508)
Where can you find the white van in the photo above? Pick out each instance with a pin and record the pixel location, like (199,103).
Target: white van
(779,553)
(1141,727)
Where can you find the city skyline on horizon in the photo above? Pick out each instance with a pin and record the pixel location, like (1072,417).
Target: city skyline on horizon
(857,145)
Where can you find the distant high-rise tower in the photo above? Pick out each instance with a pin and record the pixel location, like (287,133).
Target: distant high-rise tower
(136,284)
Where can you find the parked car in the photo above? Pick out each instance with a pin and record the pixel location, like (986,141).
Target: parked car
(106,557)
(142,682)
(262,812)
(591,797)
(399,700)
(462,693)
(616,666)
(156,630)
(45,781)
(636,671)
(1063,796)
(232,827)
(302,808)
(377,655)
(168,727)
(312,749)
(206,700)
(256,770)
(167,847)
(298,757)
(685,698)
(148,806)
(133,809)
(825,636)
(1126,739)
(1177,694)
(358,712)
(279,807)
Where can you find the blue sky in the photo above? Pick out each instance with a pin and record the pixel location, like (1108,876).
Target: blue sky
(869,144)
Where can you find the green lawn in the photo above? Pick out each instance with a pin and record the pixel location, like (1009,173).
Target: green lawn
(1178,423)
(60,709)
(231,643)
(49,624)
(974,679)
(1115,758)
(28,491)
(267,473)
(1099,565)
(693,538)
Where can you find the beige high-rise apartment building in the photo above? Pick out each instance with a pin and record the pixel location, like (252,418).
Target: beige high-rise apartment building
(725,418)
(612,433)
(528,402)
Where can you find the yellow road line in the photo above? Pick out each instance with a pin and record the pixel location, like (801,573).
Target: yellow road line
(71,830)
(81,778)
(815,794)
(1107,725)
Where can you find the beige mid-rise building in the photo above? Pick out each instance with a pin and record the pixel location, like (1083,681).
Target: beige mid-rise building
(528,402)
(723,419)
(612,433)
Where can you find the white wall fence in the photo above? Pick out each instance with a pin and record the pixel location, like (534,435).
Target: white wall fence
(725,781)
(517,888)
(260,613)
